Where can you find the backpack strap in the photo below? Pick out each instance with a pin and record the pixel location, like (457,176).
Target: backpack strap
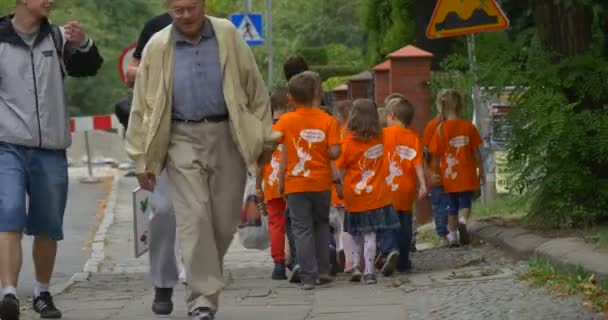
(57,35)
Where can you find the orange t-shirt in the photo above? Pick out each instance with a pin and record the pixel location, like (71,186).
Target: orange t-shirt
(365,170)
(403,153)
(455,142)
(429,132)
(308,133)
(271,175)
(335,200)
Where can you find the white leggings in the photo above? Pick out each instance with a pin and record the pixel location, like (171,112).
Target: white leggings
(367,243)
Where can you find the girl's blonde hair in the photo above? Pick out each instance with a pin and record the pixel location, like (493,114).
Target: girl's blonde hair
(363,121)
(449,100)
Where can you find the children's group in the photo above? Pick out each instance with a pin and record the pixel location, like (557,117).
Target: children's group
(341,185)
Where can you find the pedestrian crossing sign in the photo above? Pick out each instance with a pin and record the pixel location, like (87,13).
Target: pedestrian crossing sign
(250,27)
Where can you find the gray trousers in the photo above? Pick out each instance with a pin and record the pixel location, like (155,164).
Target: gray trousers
(309,213)
(164,262)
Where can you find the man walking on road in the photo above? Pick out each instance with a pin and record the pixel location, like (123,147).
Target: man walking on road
(200,106)
(34,136)
(165,267)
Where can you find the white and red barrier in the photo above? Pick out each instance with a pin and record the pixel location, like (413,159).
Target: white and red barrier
(93,123)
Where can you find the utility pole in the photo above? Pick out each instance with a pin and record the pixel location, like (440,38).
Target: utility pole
(269,40)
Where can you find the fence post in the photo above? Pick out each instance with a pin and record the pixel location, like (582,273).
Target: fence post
(90,178)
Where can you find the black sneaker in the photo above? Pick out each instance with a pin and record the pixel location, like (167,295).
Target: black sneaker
(162,304)
(202,314)
(279,272)
(294,277)
(390,265)
(370,279)
(465,238)
(44,305)
(9,309)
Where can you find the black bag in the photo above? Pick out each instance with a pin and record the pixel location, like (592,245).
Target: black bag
(122,109)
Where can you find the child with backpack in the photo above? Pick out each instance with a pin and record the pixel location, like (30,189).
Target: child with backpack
(311,141)
(367,198)
(404,155)
(457,144)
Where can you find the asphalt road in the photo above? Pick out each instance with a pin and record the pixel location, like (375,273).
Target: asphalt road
(83,201)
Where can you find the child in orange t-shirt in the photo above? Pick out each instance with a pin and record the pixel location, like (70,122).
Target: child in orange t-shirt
(404,155)
(341,113)
(311,141)
(268,189)
(366,195)
(439,199)
(457,142)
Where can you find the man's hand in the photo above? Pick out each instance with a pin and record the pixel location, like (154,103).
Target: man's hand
(147,181)
(266,155)
(75,34)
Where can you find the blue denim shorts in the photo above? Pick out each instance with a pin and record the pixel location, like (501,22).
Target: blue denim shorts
(459,201)
(40,177)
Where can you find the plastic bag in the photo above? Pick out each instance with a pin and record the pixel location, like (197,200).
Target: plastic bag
(253,230)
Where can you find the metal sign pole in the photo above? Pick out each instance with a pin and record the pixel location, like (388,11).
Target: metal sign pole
(90,178)
(247,6)
(269,40)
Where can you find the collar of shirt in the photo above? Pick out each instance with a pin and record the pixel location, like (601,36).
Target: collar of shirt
(179,38)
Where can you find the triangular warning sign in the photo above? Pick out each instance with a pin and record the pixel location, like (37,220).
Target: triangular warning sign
(460,17)
(248,30)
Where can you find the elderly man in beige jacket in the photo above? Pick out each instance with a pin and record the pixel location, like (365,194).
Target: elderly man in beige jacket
(200,109)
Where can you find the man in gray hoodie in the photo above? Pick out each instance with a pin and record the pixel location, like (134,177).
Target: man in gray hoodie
(34,135)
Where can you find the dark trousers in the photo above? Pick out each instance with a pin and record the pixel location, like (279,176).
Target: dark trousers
(309,212)
(293,260)
(400,239)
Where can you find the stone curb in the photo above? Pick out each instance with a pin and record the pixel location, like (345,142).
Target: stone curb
(569,253)
(98,244)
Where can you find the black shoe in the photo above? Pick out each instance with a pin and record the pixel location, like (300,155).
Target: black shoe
(162,304)
(9,309)
(279,272)
(294,277)
(413,247)
(370,279)
(202,314)
(44,305)
(390,265)
(465,238)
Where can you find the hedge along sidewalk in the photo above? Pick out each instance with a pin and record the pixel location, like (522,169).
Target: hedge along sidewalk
(570,253)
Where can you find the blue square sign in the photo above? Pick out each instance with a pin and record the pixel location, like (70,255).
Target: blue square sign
(250,26)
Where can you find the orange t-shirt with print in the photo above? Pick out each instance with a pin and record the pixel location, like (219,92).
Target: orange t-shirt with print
(455,142)
(403,151)
(308,133)
(335,200)
(271,174)
(429,132)
(365,170)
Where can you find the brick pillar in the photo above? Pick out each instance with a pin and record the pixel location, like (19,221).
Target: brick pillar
(410,75)
(359,85)
(340,92)
(381,82)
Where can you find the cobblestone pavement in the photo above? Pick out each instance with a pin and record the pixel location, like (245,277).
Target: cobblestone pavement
(469,283)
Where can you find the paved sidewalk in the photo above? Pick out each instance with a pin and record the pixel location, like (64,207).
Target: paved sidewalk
(471,283)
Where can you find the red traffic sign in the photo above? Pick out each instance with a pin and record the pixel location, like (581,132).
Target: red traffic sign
(460,17)
(123,61)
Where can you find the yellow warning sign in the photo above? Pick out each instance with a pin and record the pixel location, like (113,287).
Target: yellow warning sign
(460,17)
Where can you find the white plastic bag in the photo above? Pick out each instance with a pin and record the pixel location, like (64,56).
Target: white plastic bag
(253,230)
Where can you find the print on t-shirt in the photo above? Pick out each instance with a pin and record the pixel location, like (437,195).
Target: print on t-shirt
(273,178)
(401,153)
(311,136)
(366,164)
(452,160)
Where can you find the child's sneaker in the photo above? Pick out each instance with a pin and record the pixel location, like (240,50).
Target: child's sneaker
(9,309)
(294,277)
(308,286)
(453,239)
(356,276)
(443,242)
(413,247)
(44,305)
(279,272)
(391,264)
(465,238)
(370,279)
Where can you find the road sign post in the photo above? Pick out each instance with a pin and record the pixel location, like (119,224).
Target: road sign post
(468,17)
(269,40)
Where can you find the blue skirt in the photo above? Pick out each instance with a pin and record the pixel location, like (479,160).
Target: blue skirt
(376,220)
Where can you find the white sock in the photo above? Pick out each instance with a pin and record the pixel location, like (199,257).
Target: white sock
(40,288)
(9,290)
(356,246)
(452,236)
(369,252)
(462,220)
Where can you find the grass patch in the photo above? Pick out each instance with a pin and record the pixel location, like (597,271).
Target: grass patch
(505,207)
(543,273)
(489,272)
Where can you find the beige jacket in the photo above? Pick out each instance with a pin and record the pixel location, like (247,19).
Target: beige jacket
(245,92)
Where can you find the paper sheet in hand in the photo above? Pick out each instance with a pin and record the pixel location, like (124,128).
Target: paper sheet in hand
(141,220)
